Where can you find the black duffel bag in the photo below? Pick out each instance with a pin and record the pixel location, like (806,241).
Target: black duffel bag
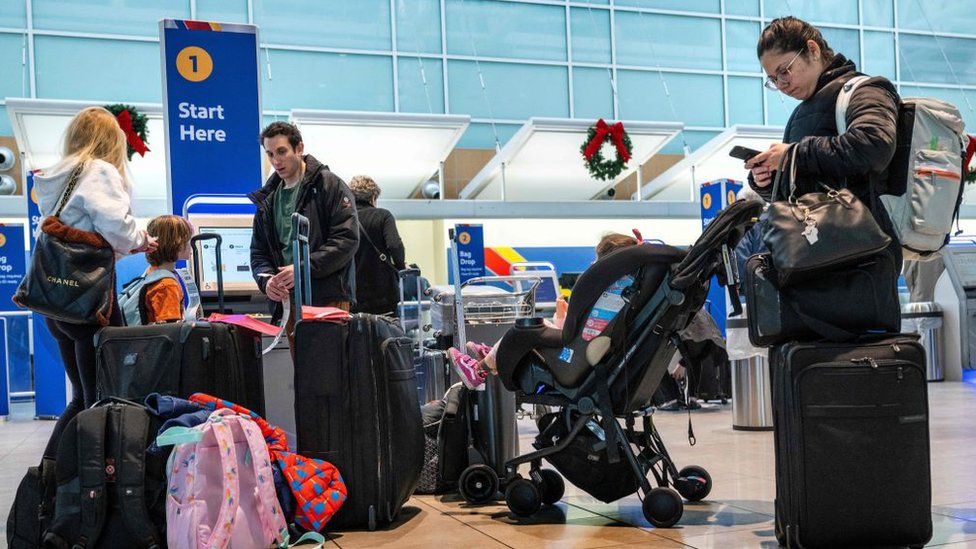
(838,305)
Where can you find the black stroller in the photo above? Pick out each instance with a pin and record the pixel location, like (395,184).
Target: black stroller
(606,364)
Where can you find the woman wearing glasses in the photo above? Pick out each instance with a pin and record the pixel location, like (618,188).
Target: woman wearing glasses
(799,63)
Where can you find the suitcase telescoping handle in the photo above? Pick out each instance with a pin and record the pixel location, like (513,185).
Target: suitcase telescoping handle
(403,275)
(303,271)
(218,265)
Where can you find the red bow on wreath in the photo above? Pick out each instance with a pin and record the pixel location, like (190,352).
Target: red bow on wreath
(125,122)
(616,132)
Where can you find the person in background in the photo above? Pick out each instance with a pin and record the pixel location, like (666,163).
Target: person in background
(300,183)
(381,254)
(101,203)
(159,297)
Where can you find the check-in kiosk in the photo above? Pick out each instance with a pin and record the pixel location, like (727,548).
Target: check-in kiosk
(241,294)
(955,292)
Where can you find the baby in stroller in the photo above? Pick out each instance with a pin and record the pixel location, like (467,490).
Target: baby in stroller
(600,371)
(474,366)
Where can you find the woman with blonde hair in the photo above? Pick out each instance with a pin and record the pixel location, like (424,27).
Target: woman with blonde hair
(94,160)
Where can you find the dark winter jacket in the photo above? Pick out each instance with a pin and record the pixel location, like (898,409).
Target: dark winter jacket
(333,235)
(859,158)
(377,284)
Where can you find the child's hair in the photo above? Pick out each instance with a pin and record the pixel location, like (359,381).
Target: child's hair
(173,234)
(612,242)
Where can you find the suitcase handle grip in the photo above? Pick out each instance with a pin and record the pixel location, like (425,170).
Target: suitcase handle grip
(219,266)
(303,271)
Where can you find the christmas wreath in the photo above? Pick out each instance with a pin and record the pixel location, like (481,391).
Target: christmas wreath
(135,125)
(607,150)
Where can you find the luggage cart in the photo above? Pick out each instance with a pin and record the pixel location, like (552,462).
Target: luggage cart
(484,312)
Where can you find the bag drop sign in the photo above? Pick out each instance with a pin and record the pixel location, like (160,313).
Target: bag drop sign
(471,251)
(13,263)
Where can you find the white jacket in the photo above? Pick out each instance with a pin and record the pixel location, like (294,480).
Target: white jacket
(100,203)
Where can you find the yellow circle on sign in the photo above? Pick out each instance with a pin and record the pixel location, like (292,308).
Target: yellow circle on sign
(731,197)
(33,195)
(707,201)
(194,63)
(3,240)
(464,238)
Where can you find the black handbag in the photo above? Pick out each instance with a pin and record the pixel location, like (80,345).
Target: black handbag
(71,277)
(818,231)
(838,305)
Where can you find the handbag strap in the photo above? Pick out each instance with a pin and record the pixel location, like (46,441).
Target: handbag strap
(791,152)
(70,187)
(384,258)
(823,329)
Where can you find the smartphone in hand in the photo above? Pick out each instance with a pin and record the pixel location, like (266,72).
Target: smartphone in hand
(742,153)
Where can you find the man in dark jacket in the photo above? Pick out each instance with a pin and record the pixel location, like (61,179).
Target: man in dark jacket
(381,254)
(300,183)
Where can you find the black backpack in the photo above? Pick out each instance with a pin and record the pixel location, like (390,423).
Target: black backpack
(446,441)
(110,492)
(33,507)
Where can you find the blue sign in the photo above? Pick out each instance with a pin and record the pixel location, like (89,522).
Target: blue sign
(212,108)
(471,251)
(715,196)
(50,389)
(13,264)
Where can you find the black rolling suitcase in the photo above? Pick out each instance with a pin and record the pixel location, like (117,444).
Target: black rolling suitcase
(852,443)
(356,405)
(182,358)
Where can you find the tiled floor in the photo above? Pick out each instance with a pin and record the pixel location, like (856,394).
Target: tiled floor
(737,514)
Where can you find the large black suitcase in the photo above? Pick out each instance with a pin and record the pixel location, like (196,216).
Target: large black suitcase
(356,406)
(182,358)
(852,443)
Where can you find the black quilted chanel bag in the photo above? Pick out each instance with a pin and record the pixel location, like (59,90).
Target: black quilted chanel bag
(71,277)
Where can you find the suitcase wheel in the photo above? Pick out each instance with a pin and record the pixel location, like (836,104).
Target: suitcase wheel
(478,484)
(663,507)
(693,483)
(523,497)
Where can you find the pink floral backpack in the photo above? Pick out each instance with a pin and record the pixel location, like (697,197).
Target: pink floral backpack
(221,492)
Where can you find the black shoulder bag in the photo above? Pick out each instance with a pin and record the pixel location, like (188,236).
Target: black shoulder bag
(71,277)
(818,231)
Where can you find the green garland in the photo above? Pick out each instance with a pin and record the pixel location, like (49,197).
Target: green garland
(599,167)
(140,123)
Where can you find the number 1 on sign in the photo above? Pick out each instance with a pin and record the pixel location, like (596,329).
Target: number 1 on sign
(194,63)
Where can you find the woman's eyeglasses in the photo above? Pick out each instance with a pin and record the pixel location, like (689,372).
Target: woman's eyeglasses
(782,76)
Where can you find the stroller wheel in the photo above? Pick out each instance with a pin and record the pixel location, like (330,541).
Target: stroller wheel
(693,483)
(552,487)
(663,507)
(523,497)
(478,484)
